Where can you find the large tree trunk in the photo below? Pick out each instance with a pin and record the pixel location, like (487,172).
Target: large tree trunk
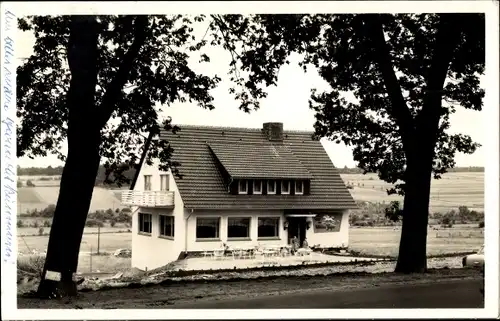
(412,248)
(77,185)
(82,163)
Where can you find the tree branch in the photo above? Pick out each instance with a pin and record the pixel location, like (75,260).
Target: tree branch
(120,79)
(398,108)
(447,38)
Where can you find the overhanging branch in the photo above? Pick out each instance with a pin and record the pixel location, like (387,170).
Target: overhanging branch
(398,108)
(120,79)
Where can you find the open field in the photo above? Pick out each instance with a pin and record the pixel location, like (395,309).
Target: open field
(109,242)
(449,192)
(39,197)
(385,241)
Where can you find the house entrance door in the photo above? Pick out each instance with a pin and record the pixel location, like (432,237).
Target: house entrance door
(296,227)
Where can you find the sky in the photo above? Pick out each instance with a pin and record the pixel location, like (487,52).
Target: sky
(286,103)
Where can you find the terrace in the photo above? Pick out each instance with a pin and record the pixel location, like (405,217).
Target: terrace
(247,259)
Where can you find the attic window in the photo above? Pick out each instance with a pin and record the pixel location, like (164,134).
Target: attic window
(299,188)
(257,187)
(285,187)
(271,187)
(243,187)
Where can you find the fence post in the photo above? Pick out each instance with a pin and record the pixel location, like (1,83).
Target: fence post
(98,238)
(90,257)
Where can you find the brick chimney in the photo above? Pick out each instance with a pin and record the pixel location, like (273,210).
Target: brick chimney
(273,131)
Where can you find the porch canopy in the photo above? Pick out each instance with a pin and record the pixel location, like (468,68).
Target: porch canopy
(301,215)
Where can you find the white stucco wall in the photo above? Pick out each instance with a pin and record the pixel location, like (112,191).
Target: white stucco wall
(332,239)
(194,245)
(152,251)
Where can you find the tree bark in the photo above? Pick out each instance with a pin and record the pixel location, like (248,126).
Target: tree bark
(412,256)
(82,163)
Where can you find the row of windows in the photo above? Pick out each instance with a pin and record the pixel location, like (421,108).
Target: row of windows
(271,187)
(164,182)
(237,227)
(209,227)
(166,224)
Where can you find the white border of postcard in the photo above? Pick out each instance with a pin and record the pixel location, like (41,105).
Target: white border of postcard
(491,114)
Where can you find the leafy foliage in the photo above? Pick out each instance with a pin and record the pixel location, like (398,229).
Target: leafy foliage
(358,108)
(159,75)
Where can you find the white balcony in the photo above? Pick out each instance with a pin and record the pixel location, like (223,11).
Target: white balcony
(148,198)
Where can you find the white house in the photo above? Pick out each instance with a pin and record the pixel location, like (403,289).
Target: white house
(239,186)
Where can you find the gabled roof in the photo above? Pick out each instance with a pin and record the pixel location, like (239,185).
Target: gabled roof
(259,160)
(202,184)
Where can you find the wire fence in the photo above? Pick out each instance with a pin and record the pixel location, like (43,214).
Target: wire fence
(460,234)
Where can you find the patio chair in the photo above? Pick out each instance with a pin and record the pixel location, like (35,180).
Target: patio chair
(218,254)
(208,254)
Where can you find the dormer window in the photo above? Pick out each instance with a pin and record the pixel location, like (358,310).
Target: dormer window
(257,187)
(299,188)
(271,187)
(243,187)
(285,187)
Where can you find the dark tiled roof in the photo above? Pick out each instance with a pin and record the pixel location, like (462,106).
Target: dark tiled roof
(259,160)
(202,185)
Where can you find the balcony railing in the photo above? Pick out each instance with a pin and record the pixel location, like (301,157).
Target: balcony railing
(148,198)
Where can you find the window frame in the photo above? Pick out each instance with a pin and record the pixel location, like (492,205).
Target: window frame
(269,182)
(167,182)
(146,177)
(217,236)
(236,238)
(141,222)
(254,184)
(162,229)
(277,228)
(301,183)
(239,187)
(282,185)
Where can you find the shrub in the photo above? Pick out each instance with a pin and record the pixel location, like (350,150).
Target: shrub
(47,223)
(481,224)
(109,211)
(20,223)
(93,223)
(48,211)
(29,183)
(40,231)
(112,223)
(19,183)
(36,225)
(117,211)
(126,210)
(32,264)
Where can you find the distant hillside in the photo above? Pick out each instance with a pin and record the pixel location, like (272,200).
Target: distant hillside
(57,171)
(472,169)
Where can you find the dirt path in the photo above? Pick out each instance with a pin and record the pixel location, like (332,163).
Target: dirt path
(188,292)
